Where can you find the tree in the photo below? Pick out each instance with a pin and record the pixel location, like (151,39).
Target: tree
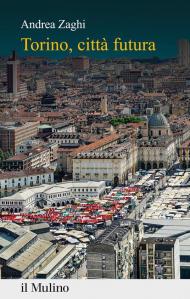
(125,120)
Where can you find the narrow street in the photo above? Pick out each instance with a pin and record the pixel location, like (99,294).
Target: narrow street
(80,273)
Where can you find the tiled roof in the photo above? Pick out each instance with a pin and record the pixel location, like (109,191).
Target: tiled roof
(24,156)
(97,144)
(23,173)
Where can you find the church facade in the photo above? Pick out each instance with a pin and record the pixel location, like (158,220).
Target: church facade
(156,148)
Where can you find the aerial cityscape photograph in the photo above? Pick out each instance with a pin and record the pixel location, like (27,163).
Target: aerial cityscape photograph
(95,167)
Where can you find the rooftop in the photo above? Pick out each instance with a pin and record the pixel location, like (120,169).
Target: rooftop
(24,173)
(30,255)
(157,120)
(97,144)
(33,152)
(17,125)
(63,254)
(114,233)
(16,245)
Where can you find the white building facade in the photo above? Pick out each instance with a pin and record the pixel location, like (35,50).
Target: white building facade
(11,182)
(55,195)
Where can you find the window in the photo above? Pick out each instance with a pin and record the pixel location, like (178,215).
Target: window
(150,259)
(151,267)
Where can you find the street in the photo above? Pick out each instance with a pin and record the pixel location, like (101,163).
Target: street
(80,273)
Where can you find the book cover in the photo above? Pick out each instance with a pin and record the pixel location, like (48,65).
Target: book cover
(94,147)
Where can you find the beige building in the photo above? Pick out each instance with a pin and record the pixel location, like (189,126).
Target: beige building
(101,144)
(40,86)
(156,154)
(184,154)
(159,258)
(13,134)
(112,165)
(104,104)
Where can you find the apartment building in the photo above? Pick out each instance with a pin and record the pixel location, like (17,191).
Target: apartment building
(38,157)
(13,134)
(184,154)
(112,255)
(11,182)
(158,258)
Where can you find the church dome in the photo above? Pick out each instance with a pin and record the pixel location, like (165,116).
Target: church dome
(157,120)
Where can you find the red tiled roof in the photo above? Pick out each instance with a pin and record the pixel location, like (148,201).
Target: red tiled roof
(51,114)
(97,144)
(19,157)
(23,156)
